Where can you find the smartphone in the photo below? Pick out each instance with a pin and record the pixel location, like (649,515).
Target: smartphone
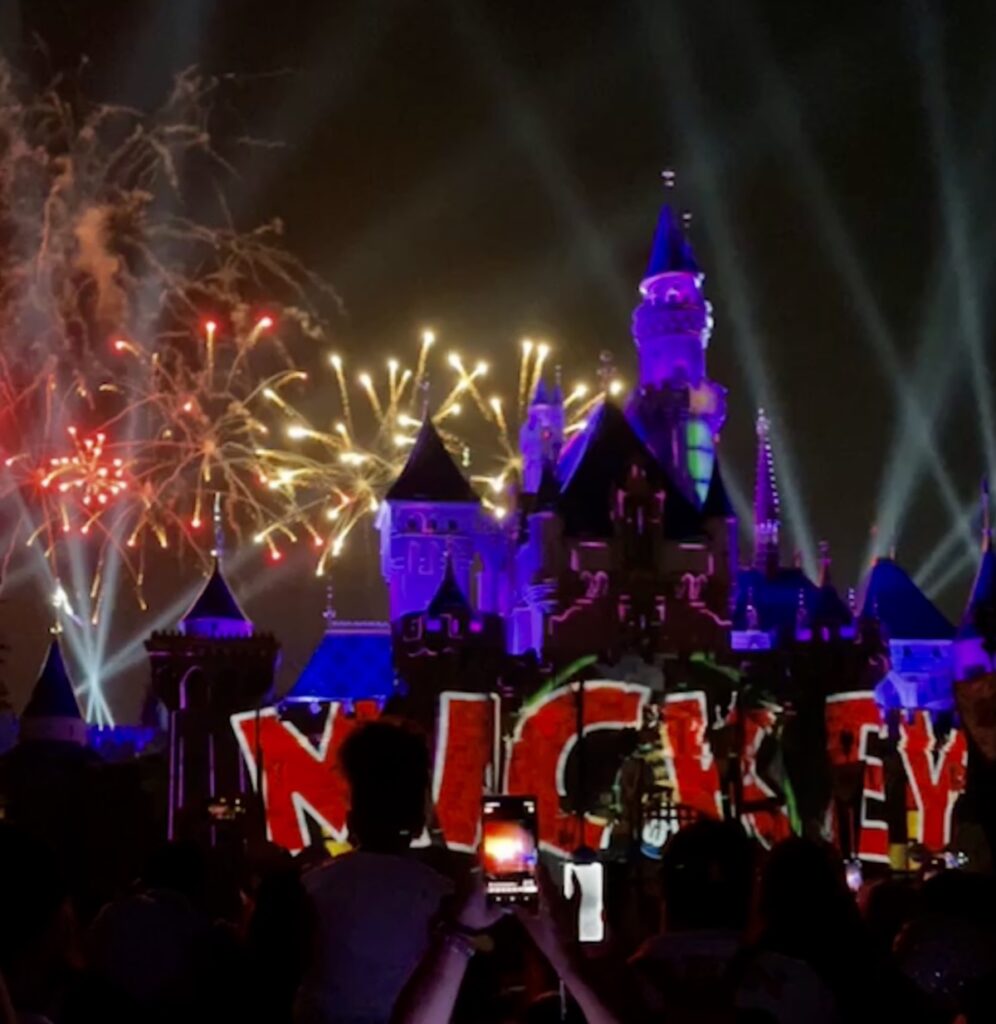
(591,910)
(854,874)
(509,849)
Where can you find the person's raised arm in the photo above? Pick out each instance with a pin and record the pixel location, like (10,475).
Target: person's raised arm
(431,992)
(550,929)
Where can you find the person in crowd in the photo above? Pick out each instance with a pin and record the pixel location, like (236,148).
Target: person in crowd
(373,907)
(431,994)
(144,945)
(39,952)
(814,960)
(707,872)
(887,905)
(949,949)
(277,936)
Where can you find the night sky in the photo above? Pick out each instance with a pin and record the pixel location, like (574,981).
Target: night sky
(493,170)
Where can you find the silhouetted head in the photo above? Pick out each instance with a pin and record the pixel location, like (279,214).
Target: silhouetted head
(387,767)
(36,933)
(178,867)
(706,876)
(806,908)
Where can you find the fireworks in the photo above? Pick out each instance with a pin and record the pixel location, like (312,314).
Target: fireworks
(156,369)
(343,471)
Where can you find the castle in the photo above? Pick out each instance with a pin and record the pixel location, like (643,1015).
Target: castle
(620,548)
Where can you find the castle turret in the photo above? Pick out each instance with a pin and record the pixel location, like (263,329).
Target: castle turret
(216,613)
(767,511)
(541,437)
(678,410)
(53,713)
(447,645)
(429,513)
(671,326)
(215,665)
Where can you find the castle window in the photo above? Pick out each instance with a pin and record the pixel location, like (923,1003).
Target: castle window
(433,526)
(453,526)
(412,524)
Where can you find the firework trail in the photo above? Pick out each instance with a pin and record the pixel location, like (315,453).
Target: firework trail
(154,367)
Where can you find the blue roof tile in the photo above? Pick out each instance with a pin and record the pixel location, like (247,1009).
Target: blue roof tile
(901,606)
(353,661)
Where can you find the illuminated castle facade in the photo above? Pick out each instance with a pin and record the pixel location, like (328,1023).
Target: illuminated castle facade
(622,542)
(622,538)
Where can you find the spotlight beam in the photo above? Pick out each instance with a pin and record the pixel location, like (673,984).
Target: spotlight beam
(947,162)
(787,115)
(535,138)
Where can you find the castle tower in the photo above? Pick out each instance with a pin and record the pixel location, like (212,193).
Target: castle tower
(53,713)
(767,510)
(447,645)
(677,410)
(212,667)
(430,512)
(542,434)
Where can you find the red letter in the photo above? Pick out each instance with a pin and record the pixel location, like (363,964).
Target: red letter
(465,748)
(857,715)
(772,824)
(936,777)
(298,780)
(693,766)
(544,737)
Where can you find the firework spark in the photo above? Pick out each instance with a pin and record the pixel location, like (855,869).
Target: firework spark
(154,367)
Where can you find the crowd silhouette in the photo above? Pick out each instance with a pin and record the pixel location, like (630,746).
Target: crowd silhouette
(722,931)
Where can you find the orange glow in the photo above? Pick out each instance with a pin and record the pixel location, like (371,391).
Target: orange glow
(503,849)
(507,847)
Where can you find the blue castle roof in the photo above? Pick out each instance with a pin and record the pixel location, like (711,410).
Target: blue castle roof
(430,474)
(353,661)
(671,253)
(776,601)
(901,606)
(216,601)
(53,695)
(449,597)
(596,461)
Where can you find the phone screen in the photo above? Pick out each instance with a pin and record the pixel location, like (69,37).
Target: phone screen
(509,849)
(591,910)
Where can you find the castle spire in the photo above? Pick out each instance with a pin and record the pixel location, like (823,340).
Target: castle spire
(52,712)
(219,529)
(670,252)
(767,513)
(825,563)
